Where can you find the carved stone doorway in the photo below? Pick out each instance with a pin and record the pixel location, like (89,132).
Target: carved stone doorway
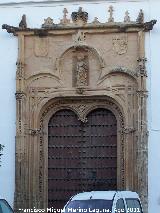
(82,156)
(102,65)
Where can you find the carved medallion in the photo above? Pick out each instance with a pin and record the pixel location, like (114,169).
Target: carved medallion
(120,44)
(40,46)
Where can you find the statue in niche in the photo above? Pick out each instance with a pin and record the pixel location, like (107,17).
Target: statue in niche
(81,70)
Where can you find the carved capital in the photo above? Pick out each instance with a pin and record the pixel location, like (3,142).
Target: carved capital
(19,95)
(142,93)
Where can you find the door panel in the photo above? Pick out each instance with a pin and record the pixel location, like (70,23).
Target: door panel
(81,156)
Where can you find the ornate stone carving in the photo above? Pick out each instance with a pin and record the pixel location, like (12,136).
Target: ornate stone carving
(20,70)
(142,67)
(120,44)
(19,95)
(65,20)
(140,18)
(123,70)
(127,17)
(81,70)
(79,17)
(41,46)
(149,25)
(79,38)
(128,130)
(48,23)
(34,132)
(110,19)
(95,21)
(23,23)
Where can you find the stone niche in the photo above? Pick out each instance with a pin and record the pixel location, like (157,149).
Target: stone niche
(78,65)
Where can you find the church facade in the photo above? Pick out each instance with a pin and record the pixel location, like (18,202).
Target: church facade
(85,101)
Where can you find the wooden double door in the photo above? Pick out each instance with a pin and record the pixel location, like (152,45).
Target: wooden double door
(81,156)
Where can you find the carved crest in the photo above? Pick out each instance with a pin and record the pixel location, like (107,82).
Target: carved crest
(80,17)
(120,44)
(41,46)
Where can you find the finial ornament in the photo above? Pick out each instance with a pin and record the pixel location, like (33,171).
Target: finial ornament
(48,23)
(23,23)
(111,19)
(65,20)
(95,21)
(127,17)
(140,18)
(80,17)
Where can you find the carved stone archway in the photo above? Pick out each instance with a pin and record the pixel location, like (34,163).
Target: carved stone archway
(81,107)
(80,66)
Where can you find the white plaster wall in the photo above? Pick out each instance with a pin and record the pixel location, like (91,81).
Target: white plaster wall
(11,14)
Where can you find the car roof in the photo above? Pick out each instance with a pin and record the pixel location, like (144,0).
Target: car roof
(106,195)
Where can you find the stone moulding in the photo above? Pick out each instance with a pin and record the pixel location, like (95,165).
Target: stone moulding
(114,26)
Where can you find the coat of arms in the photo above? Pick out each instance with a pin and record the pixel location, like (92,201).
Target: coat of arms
(41,47)
(120,44)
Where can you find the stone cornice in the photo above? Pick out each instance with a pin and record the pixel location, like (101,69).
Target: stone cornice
(114,27)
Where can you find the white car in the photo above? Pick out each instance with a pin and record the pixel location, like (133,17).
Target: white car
(4,206)
(104,202)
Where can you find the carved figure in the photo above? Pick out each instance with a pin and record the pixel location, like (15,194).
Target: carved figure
(65,20)
(23,23)
(140,18)
(111,19)
(82,71)
(127,17)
